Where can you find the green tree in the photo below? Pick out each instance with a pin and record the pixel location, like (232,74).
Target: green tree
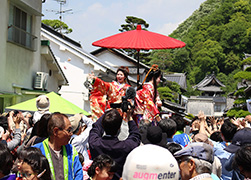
(163,58)
(208,56)
(132,22)
(58,26)
(232,62)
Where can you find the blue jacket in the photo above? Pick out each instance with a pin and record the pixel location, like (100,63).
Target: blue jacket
(77,168)
(181,138)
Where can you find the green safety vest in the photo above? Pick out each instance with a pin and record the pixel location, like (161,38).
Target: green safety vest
(65,159)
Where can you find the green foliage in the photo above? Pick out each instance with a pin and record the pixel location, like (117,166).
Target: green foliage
(216,35)
(240,101)
(243,75)
(231,62)
(229,81)
(58,25)
(237,112)
(165,93)
(132,22)
(190,116)
(240,92)
(170,91)
(246,61)
(162,58)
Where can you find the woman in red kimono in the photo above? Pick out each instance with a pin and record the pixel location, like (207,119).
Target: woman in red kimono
(105,93)
(147,98)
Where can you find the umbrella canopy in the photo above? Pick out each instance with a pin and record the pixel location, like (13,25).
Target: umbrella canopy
(140,40)
(57,104)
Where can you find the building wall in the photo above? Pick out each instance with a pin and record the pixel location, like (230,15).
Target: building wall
(19,64)
(194,105)
(76,66)
(22,63)
(4,18)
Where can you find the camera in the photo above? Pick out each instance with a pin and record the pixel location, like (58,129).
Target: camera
(125,104)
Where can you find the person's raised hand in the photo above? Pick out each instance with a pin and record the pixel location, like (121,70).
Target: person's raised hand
(201,115)
(91,76)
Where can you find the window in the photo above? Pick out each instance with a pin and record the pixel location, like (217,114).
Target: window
(217,108)
(20,28)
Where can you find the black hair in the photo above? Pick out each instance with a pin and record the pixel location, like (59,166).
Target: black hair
(56,119)
(125,71)
(111,122)
(216,136)
(153,75)
(38,163)
(143,125)
(6,160)
(40,127)
(228,130)
(168,126)
(173,147)
(4,122)
(102,161)
(26,151)
(243,158)
(31,121)
(179,122)
(81,157)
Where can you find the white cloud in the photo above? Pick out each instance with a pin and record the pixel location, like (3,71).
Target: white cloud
(96,19)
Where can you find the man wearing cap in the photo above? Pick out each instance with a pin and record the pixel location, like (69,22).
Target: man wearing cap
(43,106)
(241,137)
(80,136)
(195,161)
(150,162)
(62,157)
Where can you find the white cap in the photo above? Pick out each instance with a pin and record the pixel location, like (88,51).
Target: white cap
(43,103)
(150,162)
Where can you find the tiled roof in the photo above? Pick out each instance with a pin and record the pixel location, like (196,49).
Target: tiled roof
(209,83)
(179,78)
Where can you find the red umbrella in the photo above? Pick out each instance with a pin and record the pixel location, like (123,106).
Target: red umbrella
(139,39)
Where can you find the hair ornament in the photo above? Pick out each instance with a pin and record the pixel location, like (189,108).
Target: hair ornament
(154,67)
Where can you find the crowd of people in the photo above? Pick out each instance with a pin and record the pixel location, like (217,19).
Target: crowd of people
(51,145)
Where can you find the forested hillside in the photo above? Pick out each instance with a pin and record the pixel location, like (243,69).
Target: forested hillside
(216,35)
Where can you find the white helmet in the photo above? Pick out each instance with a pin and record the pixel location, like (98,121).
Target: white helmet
(150,162)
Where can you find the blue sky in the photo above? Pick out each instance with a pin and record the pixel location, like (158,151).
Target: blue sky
(92,20)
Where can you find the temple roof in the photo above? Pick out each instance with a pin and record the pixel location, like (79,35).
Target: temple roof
(209,84)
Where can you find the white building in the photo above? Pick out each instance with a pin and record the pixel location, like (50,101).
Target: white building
(21,56)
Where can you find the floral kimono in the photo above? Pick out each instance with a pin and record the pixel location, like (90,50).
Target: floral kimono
(105,93)
(145,106)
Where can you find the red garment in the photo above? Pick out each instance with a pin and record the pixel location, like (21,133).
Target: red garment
(103,94)
(144,102)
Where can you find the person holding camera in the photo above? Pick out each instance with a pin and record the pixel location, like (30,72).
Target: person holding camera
(12,143)
(105,93)
(147,97)
(109,144)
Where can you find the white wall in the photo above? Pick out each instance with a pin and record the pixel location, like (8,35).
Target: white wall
(76,66)
(194,105)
